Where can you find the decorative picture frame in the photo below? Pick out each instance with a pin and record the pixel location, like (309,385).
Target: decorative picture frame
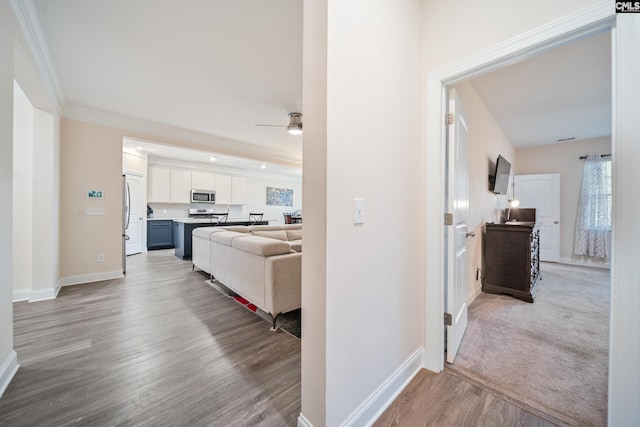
(279,196)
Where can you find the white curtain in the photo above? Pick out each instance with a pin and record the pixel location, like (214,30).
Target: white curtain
(594,214)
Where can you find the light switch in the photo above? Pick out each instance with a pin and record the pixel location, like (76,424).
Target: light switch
(94,211)
(358,211)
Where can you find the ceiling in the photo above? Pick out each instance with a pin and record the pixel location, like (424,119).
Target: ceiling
(215,67)
(563,93)
(218,67)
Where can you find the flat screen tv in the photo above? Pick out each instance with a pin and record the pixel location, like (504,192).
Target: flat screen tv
(499,182)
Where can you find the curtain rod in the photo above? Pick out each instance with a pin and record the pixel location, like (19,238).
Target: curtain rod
(601,155)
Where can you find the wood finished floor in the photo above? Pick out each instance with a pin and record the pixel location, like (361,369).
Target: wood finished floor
(157,348)
(445,399)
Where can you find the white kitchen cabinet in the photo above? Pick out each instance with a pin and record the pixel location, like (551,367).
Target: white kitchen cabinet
(180,186)
(223,189)
(159,185)
(203,180)
(238,190)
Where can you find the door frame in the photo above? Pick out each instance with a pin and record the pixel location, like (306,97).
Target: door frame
(592,20)
(143,177)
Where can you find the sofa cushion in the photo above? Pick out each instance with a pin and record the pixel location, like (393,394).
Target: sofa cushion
(204,232)
(264,227)
(294,234)
(226,237)
(296,245)
(272,234)
(238,228)
(292,227)
(262,246)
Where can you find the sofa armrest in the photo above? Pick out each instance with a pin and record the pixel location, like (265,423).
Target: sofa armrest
(283,282)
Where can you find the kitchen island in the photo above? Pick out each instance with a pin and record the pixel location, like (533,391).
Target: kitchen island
(182,229)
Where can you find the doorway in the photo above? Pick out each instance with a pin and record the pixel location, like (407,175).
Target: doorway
(570,29)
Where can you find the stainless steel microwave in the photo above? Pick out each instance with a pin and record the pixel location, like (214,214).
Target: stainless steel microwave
(203,196)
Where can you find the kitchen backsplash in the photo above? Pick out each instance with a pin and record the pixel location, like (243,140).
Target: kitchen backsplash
(175,211)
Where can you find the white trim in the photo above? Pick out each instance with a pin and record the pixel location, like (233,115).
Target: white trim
(8,370)
(27,16)
(303,422)
(579,263)
(21,296)
(591,20)
(44,294)
(379,401)
(89,278)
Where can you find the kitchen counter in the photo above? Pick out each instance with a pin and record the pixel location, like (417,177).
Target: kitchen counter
(183,227)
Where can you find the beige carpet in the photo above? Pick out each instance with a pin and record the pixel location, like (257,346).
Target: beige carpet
(551,355)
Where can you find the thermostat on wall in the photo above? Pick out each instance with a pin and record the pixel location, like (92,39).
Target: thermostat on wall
(95,194)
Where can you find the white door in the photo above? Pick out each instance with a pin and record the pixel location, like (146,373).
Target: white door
(134,217)
(457,203)
(542,192)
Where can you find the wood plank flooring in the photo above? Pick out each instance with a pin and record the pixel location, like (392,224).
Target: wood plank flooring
(447,400)
(157,348)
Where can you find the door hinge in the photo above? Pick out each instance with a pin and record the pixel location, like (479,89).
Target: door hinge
(448,320)
(448,219)
(449,119)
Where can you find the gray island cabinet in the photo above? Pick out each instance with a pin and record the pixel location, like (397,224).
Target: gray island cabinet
(182,229)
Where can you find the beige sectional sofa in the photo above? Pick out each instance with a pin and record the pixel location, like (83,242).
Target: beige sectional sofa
(262,263)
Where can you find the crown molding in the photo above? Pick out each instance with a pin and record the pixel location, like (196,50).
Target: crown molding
(144,129)
(593,19)
(27,17)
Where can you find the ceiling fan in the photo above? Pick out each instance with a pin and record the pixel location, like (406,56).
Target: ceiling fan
(295,124)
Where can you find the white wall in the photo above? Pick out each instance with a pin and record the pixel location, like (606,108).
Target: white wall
(373,149)
(564,159)
(8,362)
(23,168)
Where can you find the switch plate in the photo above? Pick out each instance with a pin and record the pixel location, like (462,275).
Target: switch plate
(100,258)
(358,211)
(95,211)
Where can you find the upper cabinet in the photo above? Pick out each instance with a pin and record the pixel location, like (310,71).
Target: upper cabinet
(238,190)
(167,185)
(180,186)
(159,186)
(223,189)
(203,180)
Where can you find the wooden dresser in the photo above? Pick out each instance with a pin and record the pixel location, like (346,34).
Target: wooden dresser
(511,259)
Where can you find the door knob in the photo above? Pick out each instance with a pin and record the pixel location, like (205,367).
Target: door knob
(471,234)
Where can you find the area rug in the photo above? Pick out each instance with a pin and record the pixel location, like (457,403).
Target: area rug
(289,322)
(551,355)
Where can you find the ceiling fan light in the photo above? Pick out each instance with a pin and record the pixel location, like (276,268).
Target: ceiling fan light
(295,124)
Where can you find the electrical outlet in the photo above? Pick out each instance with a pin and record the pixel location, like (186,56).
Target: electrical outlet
(100,258)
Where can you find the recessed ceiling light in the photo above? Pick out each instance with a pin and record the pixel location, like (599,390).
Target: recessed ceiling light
(263,167)
(212,158)
(140,148)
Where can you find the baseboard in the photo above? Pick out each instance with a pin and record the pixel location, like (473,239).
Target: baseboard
(8,370)
(21,296)
(303,422)
(88,278)
(477,290)
(44,294)
(569,261)
(372,408)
